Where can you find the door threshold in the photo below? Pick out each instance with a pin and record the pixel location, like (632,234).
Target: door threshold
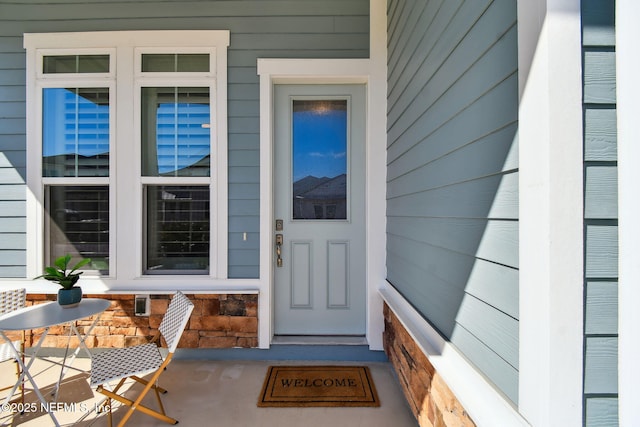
(318,340)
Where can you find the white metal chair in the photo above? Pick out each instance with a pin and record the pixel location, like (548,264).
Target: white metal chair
(11,300)
(134,362)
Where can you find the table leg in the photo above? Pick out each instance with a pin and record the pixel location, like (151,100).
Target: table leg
(63,367)
(24,368)
(25,372)
(81,345)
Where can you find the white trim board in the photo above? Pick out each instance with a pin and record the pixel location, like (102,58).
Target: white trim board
(628,92)
(551,212)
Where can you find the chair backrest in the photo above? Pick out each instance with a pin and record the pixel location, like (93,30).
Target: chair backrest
(12,299)
(175,320)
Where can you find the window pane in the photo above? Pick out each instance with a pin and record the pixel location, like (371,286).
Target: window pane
(175,62)
(75,64)
(177,230)
(75,132)
(176,134)
(79,224)
(319,159)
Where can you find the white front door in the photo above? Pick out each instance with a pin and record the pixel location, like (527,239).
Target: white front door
(319,168)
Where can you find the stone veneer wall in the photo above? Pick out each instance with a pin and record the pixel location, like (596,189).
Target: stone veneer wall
(432,402)
(217,321)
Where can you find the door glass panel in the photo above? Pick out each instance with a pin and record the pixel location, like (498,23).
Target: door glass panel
(319,150)
(176,131)
(75,132)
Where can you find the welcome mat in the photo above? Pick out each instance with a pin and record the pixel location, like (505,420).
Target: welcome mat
(302,386)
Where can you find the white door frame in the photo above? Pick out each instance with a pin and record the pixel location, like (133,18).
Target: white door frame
(322,258)
(326,71)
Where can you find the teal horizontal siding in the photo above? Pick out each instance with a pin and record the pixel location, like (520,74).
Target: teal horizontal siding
(456,271)
(601,260)
(504,375)
(602,412)
(500,244)
(601,309)
(601,191)
(13,271)
(12,192)
(598,23)
(12,109)
(601,362)
(12,208)
(492,327)
(600,214)
(599,77)
(494,196)
(12,263)
(12,93)
(12,224)
(83,9)
(480,52)
(259,28)
(12,241)
(452,171)
(600,129)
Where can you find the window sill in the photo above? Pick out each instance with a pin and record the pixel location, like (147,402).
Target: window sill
(145,286)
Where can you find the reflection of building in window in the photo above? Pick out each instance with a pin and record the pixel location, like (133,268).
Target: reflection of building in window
(79,223)
(320,198)
(75,132)
(176,131)
(177,229)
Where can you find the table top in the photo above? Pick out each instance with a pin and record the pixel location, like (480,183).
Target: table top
(50,314)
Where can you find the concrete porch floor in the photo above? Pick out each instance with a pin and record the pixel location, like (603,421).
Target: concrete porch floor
(204,393)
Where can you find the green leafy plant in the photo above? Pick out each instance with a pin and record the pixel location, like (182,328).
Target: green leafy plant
(59,274)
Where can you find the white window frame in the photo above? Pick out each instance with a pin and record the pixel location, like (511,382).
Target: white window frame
(124,80)
(180,80)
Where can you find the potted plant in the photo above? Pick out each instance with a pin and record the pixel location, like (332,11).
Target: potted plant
(70,295)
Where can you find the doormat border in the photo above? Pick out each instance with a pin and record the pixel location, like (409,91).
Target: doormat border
(368,396)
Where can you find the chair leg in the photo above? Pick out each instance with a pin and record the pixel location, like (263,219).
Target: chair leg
(18,371)
(160,405)
(133,407)
(106,405)
(115,390)
(109,414)
(17,376)
(22,347)
(21,382)
(145,382)
(155,388)
(136,405)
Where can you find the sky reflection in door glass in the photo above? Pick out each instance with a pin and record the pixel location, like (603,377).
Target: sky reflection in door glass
(319,159)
